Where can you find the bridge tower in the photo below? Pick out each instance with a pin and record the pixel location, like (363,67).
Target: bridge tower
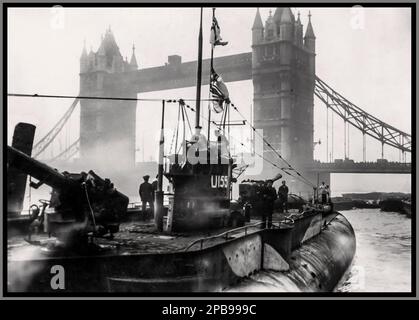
(283,72)
(107,127)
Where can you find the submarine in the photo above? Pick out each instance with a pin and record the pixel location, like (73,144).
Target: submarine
(310,250)
(202,241)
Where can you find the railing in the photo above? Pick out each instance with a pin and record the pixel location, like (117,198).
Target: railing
(223,234)
(227,233)
(379,166)
(138,205)
(134,205)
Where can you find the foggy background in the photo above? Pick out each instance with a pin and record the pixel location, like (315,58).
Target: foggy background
(369,64)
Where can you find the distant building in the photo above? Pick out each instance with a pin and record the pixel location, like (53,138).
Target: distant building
(107,127)
(283,79)
(283,70)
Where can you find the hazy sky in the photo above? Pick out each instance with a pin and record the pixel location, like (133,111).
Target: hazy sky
(369,63)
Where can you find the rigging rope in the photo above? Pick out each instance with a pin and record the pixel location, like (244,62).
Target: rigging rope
(290,167)
(90,207)
(35,95)
(175,134)
(300,177)
(181,101)
(261,156)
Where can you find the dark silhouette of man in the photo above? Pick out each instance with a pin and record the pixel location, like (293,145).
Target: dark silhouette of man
(323,192)
(283,196)
(146,194)
(269,197)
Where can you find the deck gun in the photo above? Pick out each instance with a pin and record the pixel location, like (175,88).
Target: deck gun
(250,189)
(83,203)
(250,195)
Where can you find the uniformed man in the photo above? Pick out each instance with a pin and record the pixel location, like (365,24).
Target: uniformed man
(283,196)
(323,192)
(269,197)
(146,194)
(328,194)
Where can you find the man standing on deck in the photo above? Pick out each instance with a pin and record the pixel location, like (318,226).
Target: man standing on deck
(323,192)
(146,194)
(269,197)
(328,194)
(283,196)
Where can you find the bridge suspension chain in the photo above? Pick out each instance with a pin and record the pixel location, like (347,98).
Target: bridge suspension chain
(348,135)
(42,144)
(362,120)
(344,139)
(327,134)
(332,156)
(68,152)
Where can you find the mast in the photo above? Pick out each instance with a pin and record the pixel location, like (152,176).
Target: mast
(158,206)
(199,75)
(211,68)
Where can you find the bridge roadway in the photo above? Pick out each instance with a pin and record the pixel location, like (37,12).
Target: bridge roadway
(175,75)
(349,166)
(382,166)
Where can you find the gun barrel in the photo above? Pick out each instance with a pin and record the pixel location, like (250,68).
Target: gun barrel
(277,177)
(16,180)
(37,169)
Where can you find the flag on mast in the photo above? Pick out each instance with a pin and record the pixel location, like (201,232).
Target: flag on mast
(215,38)
(219,92)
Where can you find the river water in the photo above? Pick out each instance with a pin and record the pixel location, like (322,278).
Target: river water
(383,256)
(382,262)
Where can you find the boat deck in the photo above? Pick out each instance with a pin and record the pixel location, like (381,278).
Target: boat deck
(142,237)
(134,237)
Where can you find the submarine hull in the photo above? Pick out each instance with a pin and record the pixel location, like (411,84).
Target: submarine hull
(317,266)
(310,256)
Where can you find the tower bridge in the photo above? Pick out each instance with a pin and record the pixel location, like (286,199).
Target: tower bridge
(282,67)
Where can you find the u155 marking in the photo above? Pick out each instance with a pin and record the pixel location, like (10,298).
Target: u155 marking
(219,181)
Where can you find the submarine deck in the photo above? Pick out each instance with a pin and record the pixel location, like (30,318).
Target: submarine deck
(134,237)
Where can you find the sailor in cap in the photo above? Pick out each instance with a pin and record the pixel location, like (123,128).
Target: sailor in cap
(269,197)
(146,194)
